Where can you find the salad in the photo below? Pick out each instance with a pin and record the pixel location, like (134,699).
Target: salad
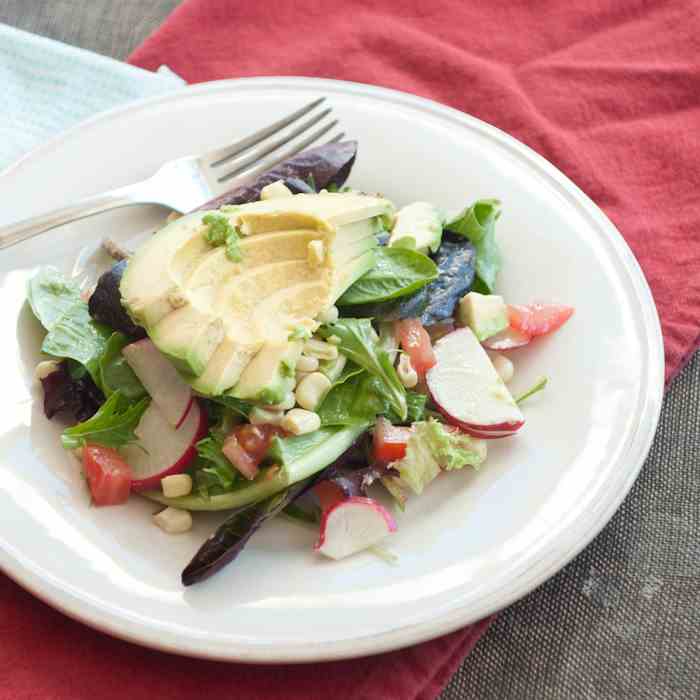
(293,347)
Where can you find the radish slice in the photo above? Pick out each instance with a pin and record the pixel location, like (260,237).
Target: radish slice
(467,389)
(507,340)
(353,525)
(169,391)
(162,450)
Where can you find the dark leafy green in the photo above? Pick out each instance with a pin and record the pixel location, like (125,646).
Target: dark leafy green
(329,165)
(232,536)
(115,373)
(242,408)
(105,303)
(112,426)
(358,342)
(478,224)
(397,272)
(70,390)
(455,260)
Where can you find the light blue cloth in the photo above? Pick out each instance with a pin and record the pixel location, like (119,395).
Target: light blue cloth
(47,87)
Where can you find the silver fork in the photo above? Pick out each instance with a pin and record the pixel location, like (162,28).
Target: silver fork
(187,183)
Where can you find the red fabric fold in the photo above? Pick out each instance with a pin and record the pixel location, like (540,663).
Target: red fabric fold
(609,94)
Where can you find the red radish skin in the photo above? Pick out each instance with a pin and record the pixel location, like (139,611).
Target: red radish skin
(161,380)
(467,390)
(186,413)
(333,527)
(196,427)
(507,339)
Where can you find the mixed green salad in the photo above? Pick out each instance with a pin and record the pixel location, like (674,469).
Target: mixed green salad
(283,349)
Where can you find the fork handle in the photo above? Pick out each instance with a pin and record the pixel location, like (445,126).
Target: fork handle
(87,206)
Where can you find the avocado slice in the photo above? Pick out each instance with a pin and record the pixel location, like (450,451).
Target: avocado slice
(418,225)
(213,315)
(269,376)
(485,314)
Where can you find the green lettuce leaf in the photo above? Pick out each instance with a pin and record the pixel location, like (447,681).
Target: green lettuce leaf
(112,426)
(358,342)
(478,224)
(433,447)
(115,373)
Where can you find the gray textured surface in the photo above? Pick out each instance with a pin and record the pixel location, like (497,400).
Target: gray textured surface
(621,621)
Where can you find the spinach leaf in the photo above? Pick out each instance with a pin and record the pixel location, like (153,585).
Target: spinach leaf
(50,295)
(112,426)
(72,334)
(76,336)
(115,373)
(349,403)
(478,224)
(358,342)
(397,272)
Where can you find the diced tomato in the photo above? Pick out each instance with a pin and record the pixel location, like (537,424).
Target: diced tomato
(328,494)
(247,445)
(389,442)
(538,319)
(416,342)
(108,475)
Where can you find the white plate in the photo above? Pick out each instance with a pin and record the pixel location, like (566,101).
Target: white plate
(474,542)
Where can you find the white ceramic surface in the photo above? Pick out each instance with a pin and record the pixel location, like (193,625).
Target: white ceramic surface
(474,542)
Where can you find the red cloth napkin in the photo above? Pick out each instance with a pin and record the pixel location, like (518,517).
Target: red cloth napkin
(609,94)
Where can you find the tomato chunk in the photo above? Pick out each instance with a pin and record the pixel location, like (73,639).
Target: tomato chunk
(247,445)
(538,319)
(415,341)
(108,475)
(389,442)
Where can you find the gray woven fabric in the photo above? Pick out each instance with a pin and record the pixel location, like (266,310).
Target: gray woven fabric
(621,621)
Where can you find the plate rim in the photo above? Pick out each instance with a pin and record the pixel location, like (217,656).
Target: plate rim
(574,535)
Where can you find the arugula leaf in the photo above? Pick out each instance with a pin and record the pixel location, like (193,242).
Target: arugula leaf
(112,426)
(358,342)
(221,232)
(415,404)
(241,408)
(397,271)
(478,224)
(115,373)
(213,463)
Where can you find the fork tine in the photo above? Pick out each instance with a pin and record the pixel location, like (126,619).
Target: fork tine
(255,154)
(338,137)
(218,155)
(278,157)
